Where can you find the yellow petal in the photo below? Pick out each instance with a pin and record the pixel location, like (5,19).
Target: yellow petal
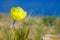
(18,13)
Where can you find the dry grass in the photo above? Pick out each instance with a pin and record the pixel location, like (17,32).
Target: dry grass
(27,29)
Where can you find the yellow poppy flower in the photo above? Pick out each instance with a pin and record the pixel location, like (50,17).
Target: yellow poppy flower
(18,13)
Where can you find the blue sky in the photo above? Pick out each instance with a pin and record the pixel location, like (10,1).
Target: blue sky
(38,7)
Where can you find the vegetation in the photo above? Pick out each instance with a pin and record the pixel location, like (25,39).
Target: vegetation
(29,28)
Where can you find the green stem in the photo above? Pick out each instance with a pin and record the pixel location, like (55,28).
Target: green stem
(13,23)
